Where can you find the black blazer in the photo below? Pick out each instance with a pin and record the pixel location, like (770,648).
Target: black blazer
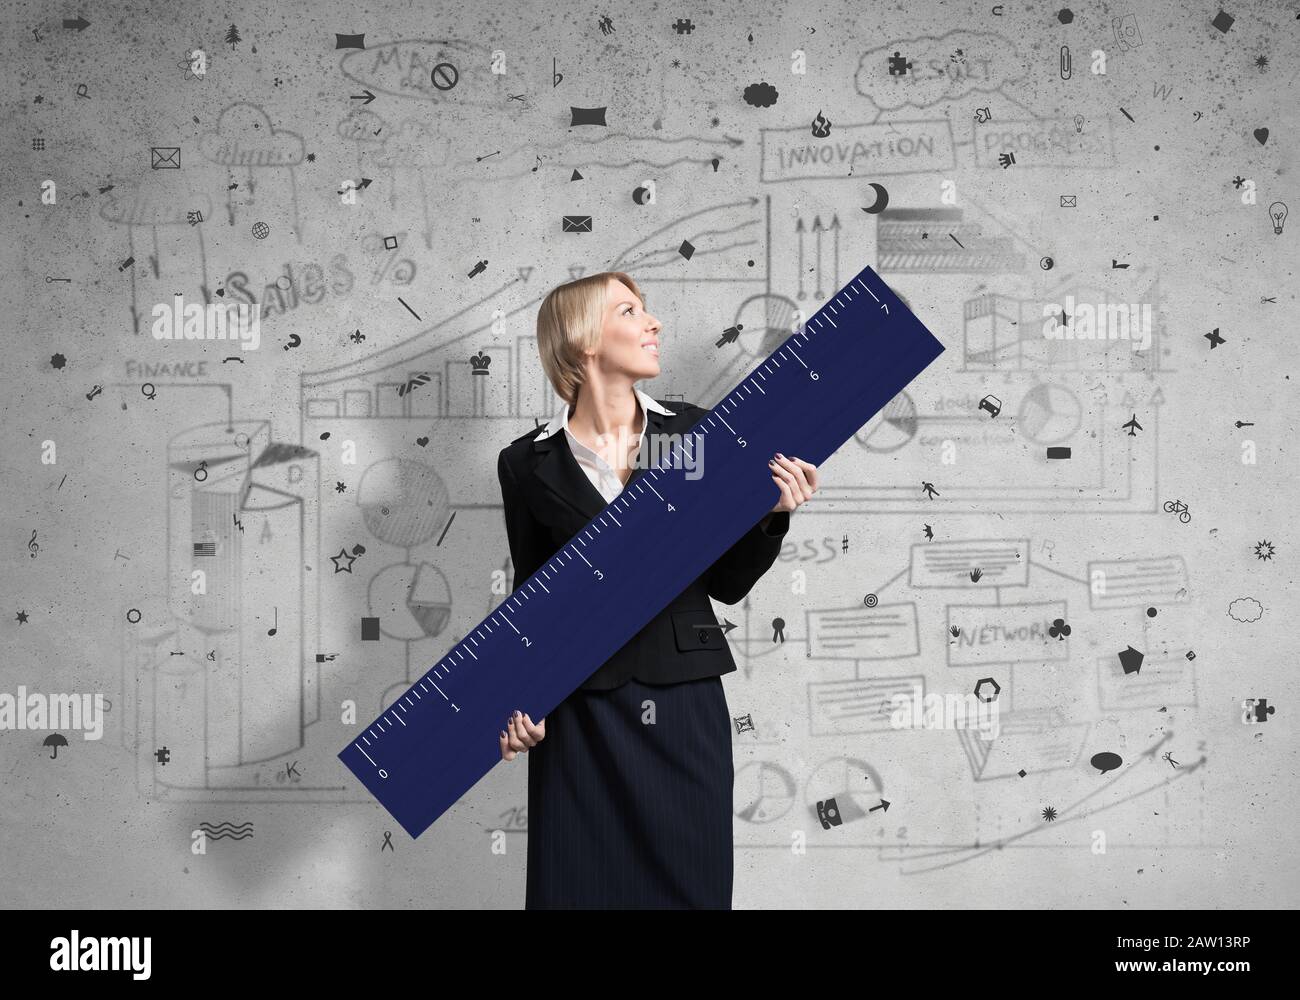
(548,499)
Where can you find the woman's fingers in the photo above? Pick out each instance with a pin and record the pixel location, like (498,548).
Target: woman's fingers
(810,473)
(799,470)
(521,735)
(535,730)
(515,733)
(785,472)
(787,501)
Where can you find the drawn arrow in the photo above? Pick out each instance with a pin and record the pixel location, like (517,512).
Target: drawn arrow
(365,96)
(726,627)
(365,183)
(884,804)
(80,23)
(105,190)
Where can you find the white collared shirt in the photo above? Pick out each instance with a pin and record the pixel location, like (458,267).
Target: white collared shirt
(600,472)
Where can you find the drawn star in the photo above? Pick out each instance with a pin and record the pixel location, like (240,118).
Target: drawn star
(715,121)
(343,554)
(1262,63)
(58,361)
(1214,338)
(311,157)
(676,64)
(1049,814)
(1238,181)
(340,487)
(1264,550)
(22,617)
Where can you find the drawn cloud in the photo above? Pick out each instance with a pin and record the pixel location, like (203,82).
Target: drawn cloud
(155,203)
(245,137)
(1245,609)
(360,125)
(946,68)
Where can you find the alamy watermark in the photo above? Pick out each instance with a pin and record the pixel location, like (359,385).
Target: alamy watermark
(1105,321)
(218,321)
(55,711)
(950,711)
(657,451)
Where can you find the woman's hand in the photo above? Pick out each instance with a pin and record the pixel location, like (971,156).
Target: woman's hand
(522,735)
(797,480)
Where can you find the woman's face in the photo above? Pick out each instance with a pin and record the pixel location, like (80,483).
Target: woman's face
(629,337)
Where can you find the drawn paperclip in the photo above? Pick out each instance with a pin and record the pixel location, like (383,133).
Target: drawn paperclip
(1066,62)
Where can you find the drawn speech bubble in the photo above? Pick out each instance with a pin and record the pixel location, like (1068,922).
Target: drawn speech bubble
(1245,609)
(1106,761)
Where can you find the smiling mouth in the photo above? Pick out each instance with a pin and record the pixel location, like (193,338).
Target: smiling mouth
(652,348)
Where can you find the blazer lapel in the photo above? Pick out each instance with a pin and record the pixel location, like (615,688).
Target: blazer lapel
(560,472)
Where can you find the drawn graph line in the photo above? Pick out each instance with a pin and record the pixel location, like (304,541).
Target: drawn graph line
(1003,842)
(1068,809)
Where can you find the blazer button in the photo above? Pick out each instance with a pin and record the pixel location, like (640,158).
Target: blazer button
(703,636)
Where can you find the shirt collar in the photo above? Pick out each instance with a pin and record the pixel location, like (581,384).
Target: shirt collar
(561,420)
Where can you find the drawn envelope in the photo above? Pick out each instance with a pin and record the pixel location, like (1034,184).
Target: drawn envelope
(1069,201)
(576,224)
(165,157)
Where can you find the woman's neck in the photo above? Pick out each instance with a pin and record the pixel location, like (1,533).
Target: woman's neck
(602,415)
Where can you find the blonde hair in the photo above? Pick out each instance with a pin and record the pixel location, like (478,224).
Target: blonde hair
(569,322)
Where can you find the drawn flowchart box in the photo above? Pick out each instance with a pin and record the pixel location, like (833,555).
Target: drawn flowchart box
(1005,633)
(865,705)
(885,632)
(1158,684)
(1127,583)
(995,562)
(1031,741)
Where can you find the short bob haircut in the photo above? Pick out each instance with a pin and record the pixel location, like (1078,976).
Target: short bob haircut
(569,324)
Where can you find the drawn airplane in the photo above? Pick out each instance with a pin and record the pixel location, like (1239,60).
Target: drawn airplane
(1132,426)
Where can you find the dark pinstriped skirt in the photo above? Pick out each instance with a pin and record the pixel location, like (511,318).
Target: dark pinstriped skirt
(623,814)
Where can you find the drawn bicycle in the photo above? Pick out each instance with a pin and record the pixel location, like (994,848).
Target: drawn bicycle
(1179,508)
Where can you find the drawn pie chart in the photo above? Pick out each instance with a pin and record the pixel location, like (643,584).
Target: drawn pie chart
(763,792)
(1049,414)
(892,427)
(852,783)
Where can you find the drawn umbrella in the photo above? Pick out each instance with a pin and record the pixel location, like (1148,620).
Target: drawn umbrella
(54,741)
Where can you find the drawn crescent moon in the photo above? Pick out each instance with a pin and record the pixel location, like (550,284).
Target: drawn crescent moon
(882,200)
(637,194)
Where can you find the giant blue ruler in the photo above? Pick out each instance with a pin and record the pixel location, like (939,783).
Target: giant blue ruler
(663,531)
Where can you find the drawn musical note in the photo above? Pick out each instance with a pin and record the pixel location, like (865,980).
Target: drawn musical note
(539,163)
(32,546)
(272,631)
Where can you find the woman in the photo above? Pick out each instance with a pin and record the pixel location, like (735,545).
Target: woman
(630,777)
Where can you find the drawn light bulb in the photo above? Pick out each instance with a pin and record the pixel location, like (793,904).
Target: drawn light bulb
(1277,211)
(1078,123)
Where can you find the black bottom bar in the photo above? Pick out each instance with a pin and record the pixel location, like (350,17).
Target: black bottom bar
(907,949)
